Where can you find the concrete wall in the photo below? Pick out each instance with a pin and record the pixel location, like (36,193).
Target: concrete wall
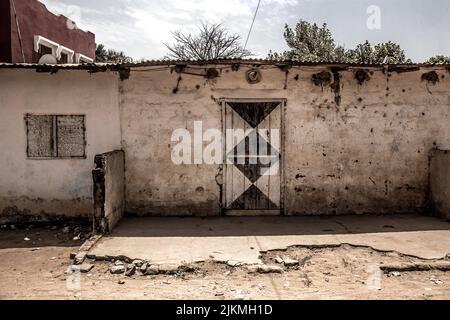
(440,182)
(49,188)
(109,190)
(369,154)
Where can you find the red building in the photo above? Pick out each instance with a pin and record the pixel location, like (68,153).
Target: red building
(28,31)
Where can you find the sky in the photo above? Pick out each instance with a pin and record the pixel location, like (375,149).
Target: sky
(141,27)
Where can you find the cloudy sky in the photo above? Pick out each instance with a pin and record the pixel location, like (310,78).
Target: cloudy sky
(140,27)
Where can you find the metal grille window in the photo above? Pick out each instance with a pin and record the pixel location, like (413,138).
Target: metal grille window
(55,136)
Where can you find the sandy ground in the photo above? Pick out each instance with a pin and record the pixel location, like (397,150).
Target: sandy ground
(36,269)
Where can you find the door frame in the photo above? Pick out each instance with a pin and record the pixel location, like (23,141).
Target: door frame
(282,210)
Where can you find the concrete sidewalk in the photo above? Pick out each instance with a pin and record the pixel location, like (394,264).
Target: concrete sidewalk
(242,239)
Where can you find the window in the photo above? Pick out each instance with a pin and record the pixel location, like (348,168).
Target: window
(65,55)
(45,46)
(81,58)
(55,136)
(43,50)
(64,58)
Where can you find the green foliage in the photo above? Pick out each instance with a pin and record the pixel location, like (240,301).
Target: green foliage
(109,55)
(309,42)
(439,60)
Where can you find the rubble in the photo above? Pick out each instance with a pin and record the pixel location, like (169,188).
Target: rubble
(168,268)
(138,263)
(131,270)
(143,268)
(85,267)
(262,268)
(436,280)
(288,262)
(117,269)
(152,270)
(233,263)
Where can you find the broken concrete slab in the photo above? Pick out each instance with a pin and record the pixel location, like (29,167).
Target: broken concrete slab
(85,267)
(242,239)
(416,266)
(80,256)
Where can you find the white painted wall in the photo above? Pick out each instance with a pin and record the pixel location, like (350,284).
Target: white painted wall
(53,187)
(367,155)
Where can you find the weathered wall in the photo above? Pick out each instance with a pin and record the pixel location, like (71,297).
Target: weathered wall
(366,154)
(369,154)
(440,182)
(109,190)
(150,111)
(60,186)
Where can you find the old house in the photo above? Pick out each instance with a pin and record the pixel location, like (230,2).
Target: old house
(340,139)
(28,31)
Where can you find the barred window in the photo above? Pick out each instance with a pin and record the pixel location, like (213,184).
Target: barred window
(55,136)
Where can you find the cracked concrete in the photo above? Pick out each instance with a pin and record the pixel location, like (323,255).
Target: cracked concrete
(242,239)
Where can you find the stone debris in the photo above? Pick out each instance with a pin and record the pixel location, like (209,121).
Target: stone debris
(436,280)
(26,239)
(118,263)
(77,237)
(143,268)
(288,262)
(85,267)
(121,281)
(233,263)
(138,263)
(152,270)
(35,249)
(168,268)
(117,269)
(395,274)
(262,268)
(131,270)
(279,260)
(239,295)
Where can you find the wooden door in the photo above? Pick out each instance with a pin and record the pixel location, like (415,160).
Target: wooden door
(253,157)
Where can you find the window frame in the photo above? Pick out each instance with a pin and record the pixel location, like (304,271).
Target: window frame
(40,40)
(55,137)
(70,54)
(81,58)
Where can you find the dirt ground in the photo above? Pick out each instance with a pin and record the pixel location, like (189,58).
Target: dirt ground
(36,269)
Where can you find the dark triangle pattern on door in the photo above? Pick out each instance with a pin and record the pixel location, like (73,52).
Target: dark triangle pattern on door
(249,185)
(253,113)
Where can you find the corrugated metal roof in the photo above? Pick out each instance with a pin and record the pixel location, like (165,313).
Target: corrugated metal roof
(114,66)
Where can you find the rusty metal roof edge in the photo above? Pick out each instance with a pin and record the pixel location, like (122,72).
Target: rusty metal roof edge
(255,62)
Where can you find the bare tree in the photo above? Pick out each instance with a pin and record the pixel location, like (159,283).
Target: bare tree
(211,43)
